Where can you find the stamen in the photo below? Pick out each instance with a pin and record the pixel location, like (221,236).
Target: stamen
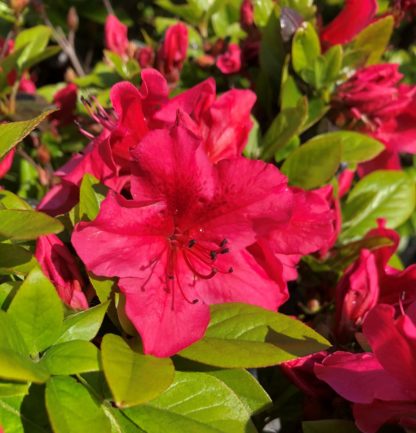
(191,243)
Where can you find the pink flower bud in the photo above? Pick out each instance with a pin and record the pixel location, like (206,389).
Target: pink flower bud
(230,61)
(60,267)
(116,39)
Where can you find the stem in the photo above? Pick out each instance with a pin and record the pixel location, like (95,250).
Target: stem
(66,46)
(108,6)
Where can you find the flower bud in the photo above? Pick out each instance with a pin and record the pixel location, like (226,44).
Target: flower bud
(72,19)
(18,5)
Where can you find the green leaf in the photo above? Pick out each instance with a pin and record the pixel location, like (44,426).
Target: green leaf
(13,389)
(284,128)
(15,363)
(262,11)
(196,402)
(20,225)
(306,50)
(33,41)
(126,69)
(120,423)
(72,409)
(245,336)
(333,64)
(7,291)
(271,58)
(15,260)
(124,369)
(14,366)
(12,201)
(24,413)
(246,387)
(92,193)
(382,194)
(313,164)
(103,286)
(37,311)
(356,147)
(13,133)
(329,426)
(83,325)
(374,39)
(72,357)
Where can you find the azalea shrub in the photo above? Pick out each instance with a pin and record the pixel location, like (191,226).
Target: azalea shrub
(207,216)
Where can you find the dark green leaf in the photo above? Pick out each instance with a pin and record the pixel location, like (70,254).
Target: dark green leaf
(329,426)
(284,128)
(15,260)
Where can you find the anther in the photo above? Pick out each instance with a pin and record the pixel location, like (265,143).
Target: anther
(191,243)
(213,255)
(224,251)
(231,270)
(223,243)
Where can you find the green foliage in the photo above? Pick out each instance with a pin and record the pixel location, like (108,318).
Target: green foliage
(191,404)
(125,369)
(72,408)
(14,132)
(245,336)
(381,194)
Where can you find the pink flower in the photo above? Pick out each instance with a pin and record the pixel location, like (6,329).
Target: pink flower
(6,162)
(180,244)
(381,384)
(223,124)
(376,103)
(356,294)
(145,57)
(60,267)
(66,100)
(354,17)
(246,14)
(369,281)
(301,372)
(230,61)
(107,157)
(116,39)
(172,53)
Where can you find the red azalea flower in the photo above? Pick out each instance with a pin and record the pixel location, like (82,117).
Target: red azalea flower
(369,281)
(172,53)
(377,104)
(6,162)
(180,244)
(66,100)
(381,384)
(116,39)
(247,14)
(354,17)
(230,61)
(145,56)
(223,124)
(60,267)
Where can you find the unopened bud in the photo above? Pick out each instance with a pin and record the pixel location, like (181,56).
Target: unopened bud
(18,5)
(70,75)
(72,19)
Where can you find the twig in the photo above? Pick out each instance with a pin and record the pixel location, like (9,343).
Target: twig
(108,6)
(66,46)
